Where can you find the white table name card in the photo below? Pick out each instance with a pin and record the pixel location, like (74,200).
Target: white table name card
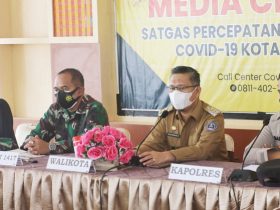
(195,173)
(69,164)
(8,158)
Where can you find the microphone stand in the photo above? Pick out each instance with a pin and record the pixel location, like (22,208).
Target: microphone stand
(247,175)
(135,160)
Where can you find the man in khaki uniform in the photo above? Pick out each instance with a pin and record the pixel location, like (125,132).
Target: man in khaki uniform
(192,130)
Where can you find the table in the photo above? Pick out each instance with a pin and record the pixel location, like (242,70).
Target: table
(33,187)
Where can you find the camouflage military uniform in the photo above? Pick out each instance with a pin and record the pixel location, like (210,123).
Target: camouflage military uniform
(7,144)
(63,125)
(201,137)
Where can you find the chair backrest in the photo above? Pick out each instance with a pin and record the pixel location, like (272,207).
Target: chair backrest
(22,131)
(230,146)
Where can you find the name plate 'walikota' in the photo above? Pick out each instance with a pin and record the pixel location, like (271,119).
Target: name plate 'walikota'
(69,164)
(195,173)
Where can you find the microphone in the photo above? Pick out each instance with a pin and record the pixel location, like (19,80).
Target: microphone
(135,160)
(248,175)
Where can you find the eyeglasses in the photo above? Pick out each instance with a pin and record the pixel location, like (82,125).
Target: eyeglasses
(65,89)
(180,88)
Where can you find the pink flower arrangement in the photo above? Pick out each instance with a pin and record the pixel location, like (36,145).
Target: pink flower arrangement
(106,143)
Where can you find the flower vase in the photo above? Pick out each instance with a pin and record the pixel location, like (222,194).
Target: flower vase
(103,165)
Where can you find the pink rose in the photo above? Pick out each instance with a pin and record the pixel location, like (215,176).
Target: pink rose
(106,130)
(111,153)
(95,129)
(87,137)
(95,153)
(116,133)
(125,157)
(122,135)
(108,140)
(125,143)
(80,149)
(98,135)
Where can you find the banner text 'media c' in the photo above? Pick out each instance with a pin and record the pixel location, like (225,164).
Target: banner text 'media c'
(183,8)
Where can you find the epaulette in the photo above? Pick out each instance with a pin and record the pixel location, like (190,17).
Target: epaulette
(212,110)
(168,108)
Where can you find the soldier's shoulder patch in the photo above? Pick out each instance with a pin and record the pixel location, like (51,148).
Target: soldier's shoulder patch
(212,110)
(212,126)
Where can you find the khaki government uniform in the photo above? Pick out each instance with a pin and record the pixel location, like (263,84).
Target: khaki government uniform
(201,137)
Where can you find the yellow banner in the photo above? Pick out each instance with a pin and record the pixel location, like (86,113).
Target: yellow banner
(234,44)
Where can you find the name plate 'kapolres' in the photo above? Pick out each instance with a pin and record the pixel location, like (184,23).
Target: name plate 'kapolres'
(195,173)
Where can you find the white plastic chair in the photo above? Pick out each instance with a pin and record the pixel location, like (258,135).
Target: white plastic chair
(229,146)
(22,131)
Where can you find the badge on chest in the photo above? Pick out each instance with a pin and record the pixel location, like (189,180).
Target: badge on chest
(173,133)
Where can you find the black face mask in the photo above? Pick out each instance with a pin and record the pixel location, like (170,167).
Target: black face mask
(65,99)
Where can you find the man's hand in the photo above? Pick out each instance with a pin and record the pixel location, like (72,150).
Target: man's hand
(153,158)
(37,146)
